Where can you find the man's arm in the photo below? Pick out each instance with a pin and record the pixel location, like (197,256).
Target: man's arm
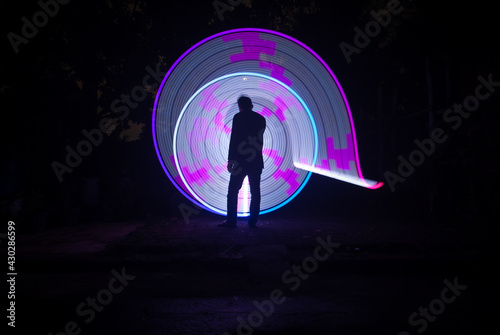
(233,150)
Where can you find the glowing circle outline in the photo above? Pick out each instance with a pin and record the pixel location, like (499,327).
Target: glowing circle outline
(156,133)
(174,145)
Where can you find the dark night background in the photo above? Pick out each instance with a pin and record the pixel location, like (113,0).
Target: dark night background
(65,79)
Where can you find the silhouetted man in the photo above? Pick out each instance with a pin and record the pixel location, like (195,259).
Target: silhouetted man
(245,159)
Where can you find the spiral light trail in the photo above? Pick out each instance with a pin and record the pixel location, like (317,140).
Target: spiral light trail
(309,123)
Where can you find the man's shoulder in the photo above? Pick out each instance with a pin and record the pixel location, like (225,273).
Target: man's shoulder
(237,116)
(251,114)
(258,116)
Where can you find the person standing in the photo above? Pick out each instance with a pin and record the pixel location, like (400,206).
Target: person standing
(245,159)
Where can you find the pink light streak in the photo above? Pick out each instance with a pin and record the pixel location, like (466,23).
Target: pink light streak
(252,45)
(277,72)
(290,177)
(342,156)
(273,154)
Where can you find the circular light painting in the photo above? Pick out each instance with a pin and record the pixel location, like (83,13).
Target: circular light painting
(309,123)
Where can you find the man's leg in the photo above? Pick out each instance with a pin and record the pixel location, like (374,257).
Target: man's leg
(254,181)
(235,182)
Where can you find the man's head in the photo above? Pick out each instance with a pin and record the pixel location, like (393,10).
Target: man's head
(245,103)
